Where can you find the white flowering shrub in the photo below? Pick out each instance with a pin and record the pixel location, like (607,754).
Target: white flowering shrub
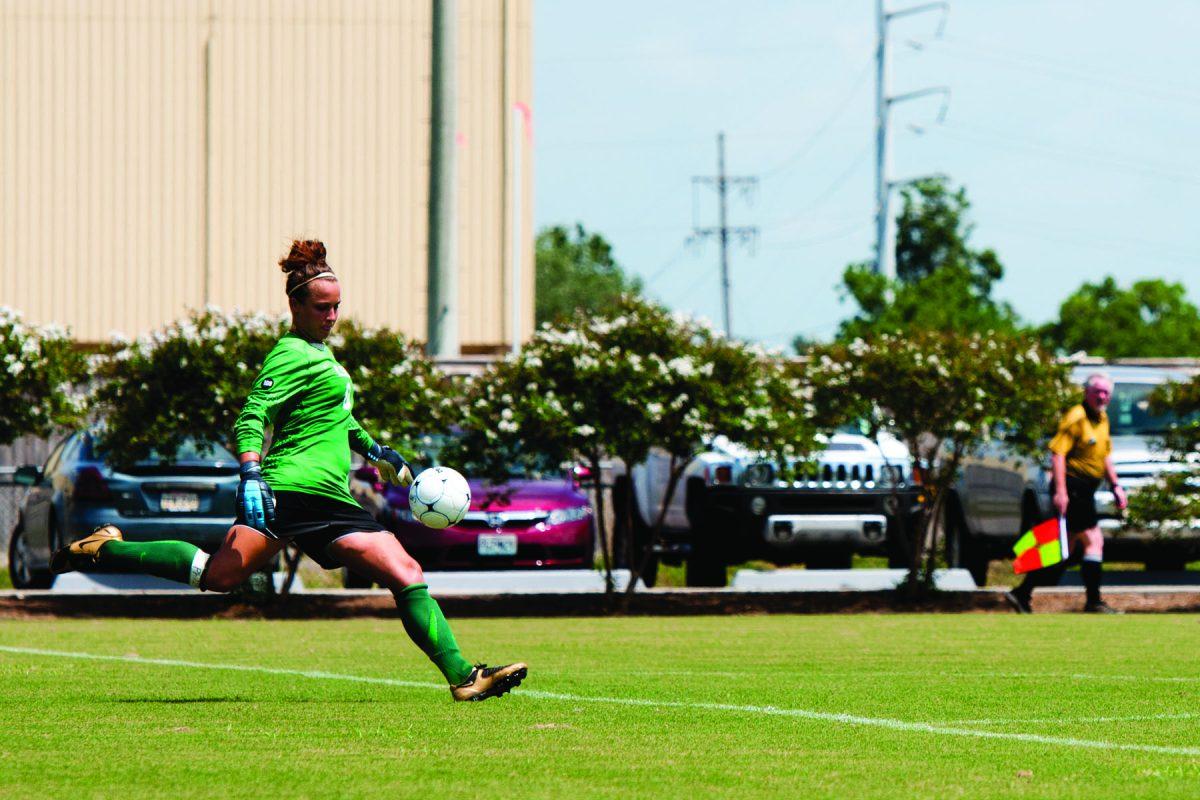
(40,369)
(185,380)
(190,379)
(636,377)
(1169,506)
(400,396)
(943,394)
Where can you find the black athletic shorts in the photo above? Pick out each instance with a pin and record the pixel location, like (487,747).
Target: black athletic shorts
(1081,503)
(313,522)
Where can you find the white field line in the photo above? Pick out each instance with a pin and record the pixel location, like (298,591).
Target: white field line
(972,675)
(799,713)
(937,675)
(1070,720)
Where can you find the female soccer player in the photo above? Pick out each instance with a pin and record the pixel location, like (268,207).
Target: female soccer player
(299,492)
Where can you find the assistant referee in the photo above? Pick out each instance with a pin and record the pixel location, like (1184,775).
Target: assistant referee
(1081,459)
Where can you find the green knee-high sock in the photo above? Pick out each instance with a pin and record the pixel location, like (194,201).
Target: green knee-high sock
(175,561)
(427,627)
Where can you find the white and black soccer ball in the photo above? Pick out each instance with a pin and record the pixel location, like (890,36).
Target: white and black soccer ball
(439,497)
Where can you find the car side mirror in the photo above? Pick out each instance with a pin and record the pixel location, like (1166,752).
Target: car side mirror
(28,475)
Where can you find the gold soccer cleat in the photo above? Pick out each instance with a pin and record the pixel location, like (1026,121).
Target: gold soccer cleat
(83,554)
(485,682)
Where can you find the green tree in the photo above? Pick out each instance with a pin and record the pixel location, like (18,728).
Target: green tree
(185,380)
(400,396)
(941,283)
(616,384)
(576,271)
(1151,318)
(1170,505)
(189,380)
(41,369)
(942,393)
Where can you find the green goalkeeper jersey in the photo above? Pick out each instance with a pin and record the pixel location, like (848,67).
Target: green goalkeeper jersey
(308,399)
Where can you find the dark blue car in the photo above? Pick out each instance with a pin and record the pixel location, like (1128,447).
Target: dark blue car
(190,498)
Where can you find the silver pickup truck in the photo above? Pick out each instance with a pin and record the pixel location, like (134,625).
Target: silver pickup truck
(1000,494)
(854,497)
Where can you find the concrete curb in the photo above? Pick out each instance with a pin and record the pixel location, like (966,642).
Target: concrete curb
(340,604)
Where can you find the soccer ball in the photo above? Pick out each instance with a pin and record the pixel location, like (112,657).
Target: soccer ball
(439,497)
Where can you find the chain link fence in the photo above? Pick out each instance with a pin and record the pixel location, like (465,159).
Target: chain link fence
(27,450)
(11,498)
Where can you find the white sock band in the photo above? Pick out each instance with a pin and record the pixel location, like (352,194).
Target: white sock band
(199,562)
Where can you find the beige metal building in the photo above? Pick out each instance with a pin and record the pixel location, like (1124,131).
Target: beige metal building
(160,155)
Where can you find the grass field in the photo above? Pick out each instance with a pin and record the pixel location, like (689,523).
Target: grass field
(972,706)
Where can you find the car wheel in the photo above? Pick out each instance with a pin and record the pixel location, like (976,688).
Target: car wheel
(704,567)
(897,545)
(962,549)
(20,564)
(638,539)
(352,580)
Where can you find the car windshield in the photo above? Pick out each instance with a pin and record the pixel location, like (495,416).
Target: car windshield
(858,427)
(1129,412)
(189,451)
(519,466)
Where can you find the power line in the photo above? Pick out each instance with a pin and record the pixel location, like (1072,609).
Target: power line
(839,233)
(1180,250)
(788,49)
(837,183)
(1095,243)
(1062,152)
(773,136)
(723,230)
(666,266)
(1069,71)
(802,151)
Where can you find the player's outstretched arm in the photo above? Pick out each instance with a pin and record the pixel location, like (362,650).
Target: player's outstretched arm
(391,465)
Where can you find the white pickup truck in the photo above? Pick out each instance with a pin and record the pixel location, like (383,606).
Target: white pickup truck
(856,496)
(999,493)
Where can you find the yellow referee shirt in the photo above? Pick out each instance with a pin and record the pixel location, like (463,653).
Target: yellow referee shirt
(1085,443)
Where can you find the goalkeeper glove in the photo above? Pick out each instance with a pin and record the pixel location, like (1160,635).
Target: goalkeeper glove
(392,468)
(255,500)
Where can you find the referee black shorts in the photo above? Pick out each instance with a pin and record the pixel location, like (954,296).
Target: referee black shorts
(313,522)
(1081,503)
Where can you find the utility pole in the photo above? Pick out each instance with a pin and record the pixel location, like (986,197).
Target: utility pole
(442,306)
(885,229)
(723,230)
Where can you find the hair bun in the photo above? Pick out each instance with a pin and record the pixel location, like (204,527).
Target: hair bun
(304,253)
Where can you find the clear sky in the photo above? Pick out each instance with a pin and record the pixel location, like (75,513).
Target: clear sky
(1073,125)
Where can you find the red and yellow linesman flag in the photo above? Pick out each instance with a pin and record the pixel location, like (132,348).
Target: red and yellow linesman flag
(1045,544)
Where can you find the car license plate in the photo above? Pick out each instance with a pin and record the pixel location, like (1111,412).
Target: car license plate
(179,502)
(497,544)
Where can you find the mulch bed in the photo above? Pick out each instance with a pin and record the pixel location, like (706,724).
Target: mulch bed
(670,602)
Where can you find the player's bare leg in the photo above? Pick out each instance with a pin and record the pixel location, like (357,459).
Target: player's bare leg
(244,552)
(380,557)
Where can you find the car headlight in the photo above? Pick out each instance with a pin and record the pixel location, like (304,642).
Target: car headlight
(560,515)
